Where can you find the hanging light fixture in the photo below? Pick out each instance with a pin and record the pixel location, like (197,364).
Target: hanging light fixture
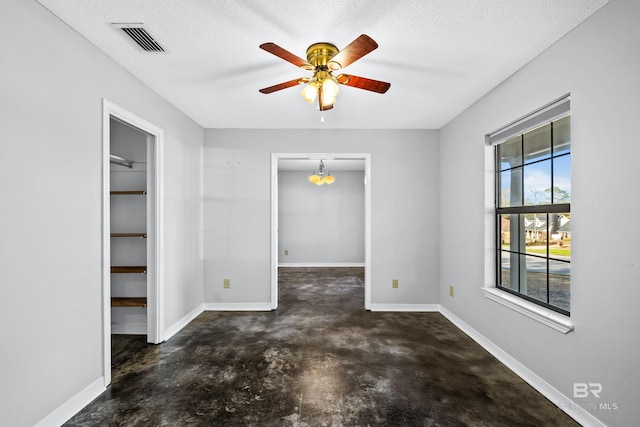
(323,59)
(325,87)
(321,176)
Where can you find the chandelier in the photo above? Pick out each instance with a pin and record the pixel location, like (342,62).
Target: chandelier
(321,176)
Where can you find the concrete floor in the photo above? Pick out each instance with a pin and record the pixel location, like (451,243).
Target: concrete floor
(319,360)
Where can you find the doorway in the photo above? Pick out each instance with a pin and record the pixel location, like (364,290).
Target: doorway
(132,222)
(276,159)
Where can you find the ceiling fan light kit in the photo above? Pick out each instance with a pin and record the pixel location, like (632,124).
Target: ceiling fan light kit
(323,59)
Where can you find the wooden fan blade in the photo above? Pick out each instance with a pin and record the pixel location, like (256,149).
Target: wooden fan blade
(356,50)
(286,55)
(363,83)
(284,85)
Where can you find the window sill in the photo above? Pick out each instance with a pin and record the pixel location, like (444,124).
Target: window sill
(540,314)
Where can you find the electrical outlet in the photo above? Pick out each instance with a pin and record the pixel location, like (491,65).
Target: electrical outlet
(394,283)
(227,283)
(451,291)
(286,251)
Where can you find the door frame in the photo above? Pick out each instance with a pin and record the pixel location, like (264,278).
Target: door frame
(275,157)
(155,252)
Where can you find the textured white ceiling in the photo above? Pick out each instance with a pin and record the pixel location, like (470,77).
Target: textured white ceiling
(440,56)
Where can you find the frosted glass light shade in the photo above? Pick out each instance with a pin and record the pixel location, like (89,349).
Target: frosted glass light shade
(310,91)
(330,88)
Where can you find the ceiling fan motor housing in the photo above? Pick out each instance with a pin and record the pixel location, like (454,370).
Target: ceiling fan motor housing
(319,54)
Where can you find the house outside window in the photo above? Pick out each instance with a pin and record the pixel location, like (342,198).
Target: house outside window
(533,209)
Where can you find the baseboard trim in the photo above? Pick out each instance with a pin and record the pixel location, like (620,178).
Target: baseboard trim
(405,307)
(258,306)
(321,264)
(129,328)
(571,408)
(73,405)
(184,321)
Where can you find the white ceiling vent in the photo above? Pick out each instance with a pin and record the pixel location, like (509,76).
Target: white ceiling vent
(141,36)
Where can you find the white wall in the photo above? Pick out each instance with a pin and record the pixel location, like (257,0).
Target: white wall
(404,209)
(51,89)
(321,224)
(599,64)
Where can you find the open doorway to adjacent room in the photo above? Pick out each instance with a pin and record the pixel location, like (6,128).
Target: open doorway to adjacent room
(320,226)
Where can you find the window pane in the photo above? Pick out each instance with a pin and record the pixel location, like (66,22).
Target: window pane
(511,188)
(509,236)
(504,223)
(560,244)
(559,284)
(562,136)
(505,269)
(536,232)
(537,144)
(537,182)
(510,153)
(536,283)
(562,179)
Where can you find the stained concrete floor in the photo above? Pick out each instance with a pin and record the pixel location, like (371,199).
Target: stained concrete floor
(319,360)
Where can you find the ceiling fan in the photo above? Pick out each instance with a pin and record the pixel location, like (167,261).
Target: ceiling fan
(323,59)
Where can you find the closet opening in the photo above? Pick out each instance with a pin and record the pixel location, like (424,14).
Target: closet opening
(129,237)
(132,250)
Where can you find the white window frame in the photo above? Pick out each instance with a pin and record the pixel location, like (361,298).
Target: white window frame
(552,111)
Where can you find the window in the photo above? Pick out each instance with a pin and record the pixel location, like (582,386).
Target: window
(533,210)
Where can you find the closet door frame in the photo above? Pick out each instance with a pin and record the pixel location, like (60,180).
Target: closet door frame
(155,273)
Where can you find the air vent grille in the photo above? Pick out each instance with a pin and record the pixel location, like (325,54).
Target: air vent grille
(141,36)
